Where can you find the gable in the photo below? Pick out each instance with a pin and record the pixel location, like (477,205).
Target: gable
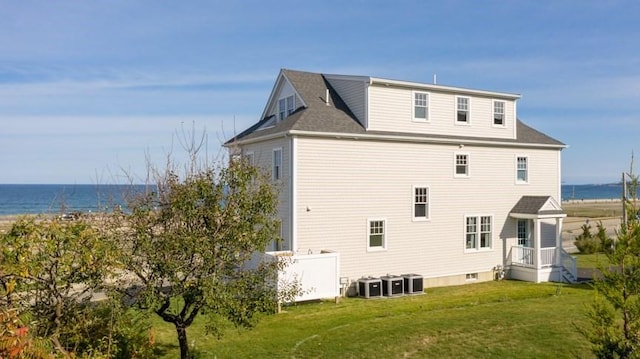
(537,207)
(282,91)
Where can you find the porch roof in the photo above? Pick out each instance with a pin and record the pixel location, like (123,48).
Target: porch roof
(537,207)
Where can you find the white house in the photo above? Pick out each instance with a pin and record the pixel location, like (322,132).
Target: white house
(404,177)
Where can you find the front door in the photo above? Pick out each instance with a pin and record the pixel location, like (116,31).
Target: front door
(524,233)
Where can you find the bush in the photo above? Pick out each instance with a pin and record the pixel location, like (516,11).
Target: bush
(588,243)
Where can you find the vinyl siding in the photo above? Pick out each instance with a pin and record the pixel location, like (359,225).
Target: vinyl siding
(391,109)
(341,183)
(353,93)
(263,158)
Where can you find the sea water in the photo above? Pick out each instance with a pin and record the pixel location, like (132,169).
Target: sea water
(62,198)
(65,198)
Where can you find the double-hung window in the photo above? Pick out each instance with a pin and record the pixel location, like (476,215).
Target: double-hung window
(420,106)
(462,109)
(461,165)
(478,232)
(376,237)
(522,169)
(285,107)
(420,203)
(498,113)
(276,171)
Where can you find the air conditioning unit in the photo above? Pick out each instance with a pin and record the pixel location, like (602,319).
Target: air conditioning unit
(392,285)
(370,287)
(413,283)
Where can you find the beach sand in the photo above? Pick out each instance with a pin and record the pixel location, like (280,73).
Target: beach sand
(609,212)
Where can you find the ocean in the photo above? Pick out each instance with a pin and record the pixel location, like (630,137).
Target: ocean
(66,198)
(62,198)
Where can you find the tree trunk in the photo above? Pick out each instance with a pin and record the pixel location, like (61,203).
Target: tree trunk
(182,340)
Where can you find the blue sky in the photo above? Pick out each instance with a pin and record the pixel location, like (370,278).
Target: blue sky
(89,89)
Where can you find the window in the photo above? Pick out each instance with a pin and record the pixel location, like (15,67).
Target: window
(462,165)
(376,238)
(522,170)
(421,203)
(421,106)
(478,232)
(498,113)
(277,164)
(462,110)
(471,276)
(249,158)
(285,107)
(523,233)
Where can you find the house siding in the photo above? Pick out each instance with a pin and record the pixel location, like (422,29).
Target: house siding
(391,109)
(341,183)
(353,93)
(263,158)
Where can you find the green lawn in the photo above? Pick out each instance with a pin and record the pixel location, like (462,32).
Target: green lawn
(591,260)
(504,319)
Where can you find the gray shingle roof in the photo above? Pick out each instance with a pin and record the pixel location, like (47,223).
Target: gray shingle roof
(533,205)
(337,118)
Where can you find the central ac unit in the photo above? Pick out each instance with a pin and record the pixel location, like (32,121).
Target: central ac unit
(392,285)
(370,287)
(413,283)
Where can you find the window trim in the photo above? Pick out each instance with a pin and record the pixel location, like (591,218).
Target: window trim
(478,233)
(455,165)
(523,241)
(468,110)
(494,113)
(283,107)
(385,234)
(274,166)
(250,157)
(427,217)
(427,107)
(526,170)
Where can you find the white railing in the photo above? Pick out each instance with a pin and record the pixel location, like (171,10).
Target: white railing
(547,256)
(569,262)
(524,256)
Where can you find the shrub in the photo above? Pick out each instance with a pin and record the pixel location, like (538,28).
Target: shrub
(586,242)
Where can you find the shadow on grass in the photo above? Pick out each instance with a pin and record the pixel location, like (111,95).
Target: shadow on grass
(163,349)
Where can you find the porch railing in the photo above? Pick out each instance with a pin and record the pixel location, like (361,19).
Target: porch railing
(526,256)
(570,264)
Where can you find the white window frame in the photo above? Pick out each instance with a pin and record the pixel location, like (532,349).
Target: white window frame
(250,157)
(523,233)
(286,106)
(478,230)
(276,168)
(497,112)
(427,107)
(524,170)
(455,165)
(385,234)
(467,110)
(415,202)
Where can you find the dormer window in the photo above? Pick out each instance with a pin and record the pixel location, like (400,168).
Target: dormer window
(285,107)
(462,109)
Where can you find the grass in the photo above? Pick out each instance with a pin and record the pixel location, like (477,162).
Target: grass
(593,209)
(591,260)
(488,320)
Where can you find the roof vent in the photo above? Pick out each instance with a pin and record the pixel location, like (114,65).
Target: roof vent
(326,97)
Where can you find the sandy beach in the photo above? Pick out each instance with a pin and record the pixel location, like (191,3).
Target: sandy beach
(609,212)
